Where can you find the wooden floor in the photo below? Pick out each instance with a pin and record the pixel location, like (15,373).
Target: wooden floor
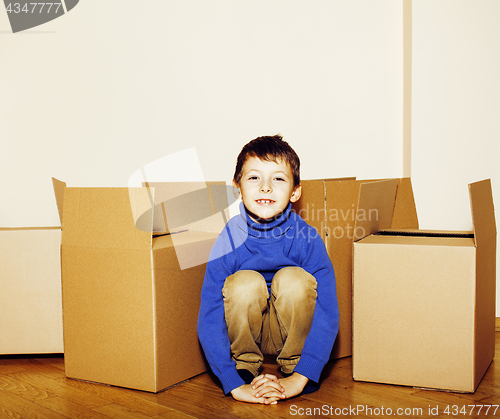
(36,387)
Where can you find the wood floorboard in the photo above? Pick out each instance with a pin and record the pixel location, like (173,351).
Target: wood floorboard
(36,387)
(25,408)
(60,388)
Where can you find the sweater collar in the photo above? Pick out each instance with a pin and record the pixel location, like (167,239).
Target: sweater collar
(275,228)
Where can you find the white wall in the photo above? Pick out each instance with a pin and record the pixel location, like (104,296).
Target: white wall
(98,93)
(94,95)
(455,108)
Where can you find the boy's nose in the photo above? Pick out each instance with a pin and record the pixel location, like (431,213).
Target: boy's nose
(265,188)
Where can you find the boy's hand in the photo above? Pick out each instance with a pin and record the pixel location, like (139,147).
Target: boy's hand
(269,387)
(264,389)
(294,384)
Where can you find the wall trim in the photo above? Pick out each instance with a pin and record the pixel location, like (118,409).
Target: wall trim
(407,85)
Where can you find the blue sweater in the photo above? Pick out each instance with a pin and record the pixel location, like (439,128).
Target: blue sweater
(266,248)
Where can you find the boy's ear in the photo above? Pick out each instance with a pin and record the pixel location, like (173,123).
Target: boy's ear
(236,190)
(297,192)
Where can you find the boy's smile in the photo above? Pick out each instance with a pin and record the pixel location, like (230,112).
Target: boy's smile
(267,188)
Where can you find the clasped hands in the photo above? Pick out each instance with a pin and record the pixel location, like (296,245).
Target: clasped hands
(268,389)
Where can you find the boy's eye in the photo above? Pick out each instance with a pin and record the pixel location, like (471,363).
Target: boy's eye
(280,179)
(252,178)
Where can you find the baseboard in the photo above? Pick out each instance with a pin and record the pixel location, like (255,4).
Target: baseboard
(497,324)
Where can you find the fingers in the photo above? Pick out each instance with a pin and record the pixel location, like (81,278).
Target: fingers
(264,389)
(272,400)
(271,387)
(268,400)
(270,393)
(263,379)
(245,393)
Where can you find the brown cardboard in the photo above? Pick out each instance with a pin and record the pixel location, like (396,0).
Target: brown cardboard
(30,296)
(424,303)
(332,206)
(130,311)
(59,193)
(198,206)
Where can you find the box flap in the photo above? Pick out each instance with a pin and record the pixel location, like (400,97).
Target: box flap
(375,207)
(59,193)
(483,211)
(405,211)
(192,247)
(105,218)
(312,205)
(190,206)
(141,200)
(182,238)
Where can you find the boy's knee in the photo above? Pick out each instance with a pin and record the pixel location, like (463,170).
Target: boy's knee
(294,282)
(245,285)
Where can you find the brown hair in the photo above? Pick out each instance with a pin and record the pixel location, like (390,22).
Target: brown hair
(269,148)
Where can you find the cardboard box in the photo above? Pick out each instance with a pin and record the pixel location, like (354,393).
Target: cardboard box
(130,309)
(30,296)
(332,207)
(424,303)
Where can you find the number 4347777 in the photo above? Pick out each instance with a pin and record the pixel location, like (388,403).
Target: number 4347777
(33,7)
(477,409)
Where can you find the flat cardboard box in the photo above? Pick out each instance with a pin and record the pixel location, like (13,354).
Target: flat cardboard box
(331,206)
(130,310)
(30,296)
(424,303)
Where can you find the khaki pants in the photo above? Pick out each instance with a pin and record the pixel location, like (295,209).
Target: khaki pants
(260,325)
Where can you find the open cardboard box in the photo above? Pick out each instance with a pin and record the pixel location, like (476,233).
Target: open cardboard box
(424,302)
(331,206)
(30,296)
(131,287)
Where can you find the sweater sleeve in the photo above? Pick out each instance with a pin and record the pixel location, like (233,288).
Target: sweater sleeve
(212,330)
(325,323)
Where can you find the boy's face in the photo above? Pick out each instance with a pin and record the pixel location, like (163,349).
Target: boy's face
(267,188)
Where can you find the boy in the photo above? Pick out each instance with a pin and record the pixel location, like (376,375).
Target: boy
(269,286)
